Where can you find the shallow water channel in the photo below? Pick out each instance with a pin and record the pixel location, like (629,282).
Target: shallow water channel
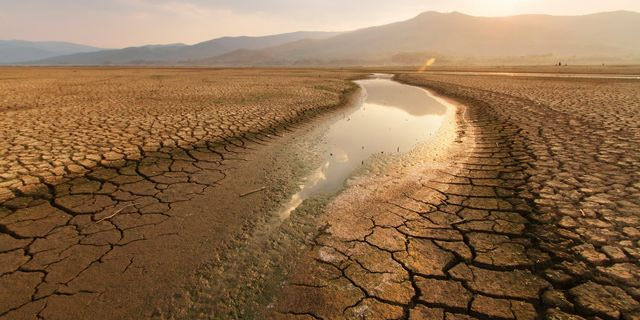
(390,118)
(386,122)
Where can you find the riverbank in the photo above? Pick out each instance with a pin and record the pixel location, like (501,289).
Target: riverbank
(121,234)
(574,140)
(535,217)
(333,154)
(349,269)
(524,209)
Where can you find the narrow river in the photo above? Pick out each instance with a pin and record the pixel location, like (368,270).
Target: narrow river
(388,123)
(390,118)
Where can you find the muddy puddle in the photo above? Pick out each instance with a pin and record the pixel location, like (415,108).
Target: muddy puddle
(390,118)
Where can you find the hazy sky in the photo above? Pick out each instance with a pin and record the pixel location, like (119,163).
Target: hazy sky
(120,23)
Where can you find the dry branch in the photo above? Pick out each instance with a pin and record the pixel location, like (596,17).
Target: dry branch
(115,213)
(252,192)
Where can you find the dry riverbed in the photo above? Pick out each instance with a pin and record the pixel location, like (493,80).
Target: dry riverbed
(117,184)
(362,141)
(521,202)
(532,214)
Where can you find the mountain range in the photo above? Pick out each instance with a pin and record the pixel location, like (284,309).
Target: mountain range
(167,54)
(13,51)
(600,37)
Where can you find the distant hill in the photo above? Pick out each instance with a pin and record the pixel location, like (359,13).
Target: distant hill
(610,34)
(448,37)
(171,54)
(15,51)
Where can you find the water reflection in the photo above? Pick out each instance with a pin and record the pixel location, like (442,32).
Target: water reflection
(392,118)
(396,95)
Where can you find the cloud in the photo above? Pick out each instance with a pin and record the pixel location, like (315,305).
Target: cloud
(121,23)
(118,23)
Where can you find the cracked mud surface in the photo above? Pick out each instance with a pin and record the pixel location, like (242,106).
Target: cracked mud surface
(533,215)
(58,122)
(115,184)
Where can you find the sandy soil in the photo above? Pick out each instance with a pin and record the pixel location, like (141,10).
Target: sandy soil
(534,216)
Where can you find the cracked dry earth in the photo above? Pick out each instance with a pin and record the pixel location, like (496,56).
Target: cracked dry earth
(536,216)
(111,180)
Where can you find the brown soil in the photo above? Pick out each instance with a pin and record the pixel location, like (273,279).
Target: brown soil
(525,208)
(577,69)
(119,184)
(534,216)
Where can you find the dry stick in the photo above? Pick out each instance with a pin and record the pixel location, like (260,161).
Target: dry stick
(252,191)
(114,214)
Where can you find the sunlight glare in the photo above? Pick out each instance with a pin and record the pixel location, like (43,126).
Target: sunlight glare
(428,63)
